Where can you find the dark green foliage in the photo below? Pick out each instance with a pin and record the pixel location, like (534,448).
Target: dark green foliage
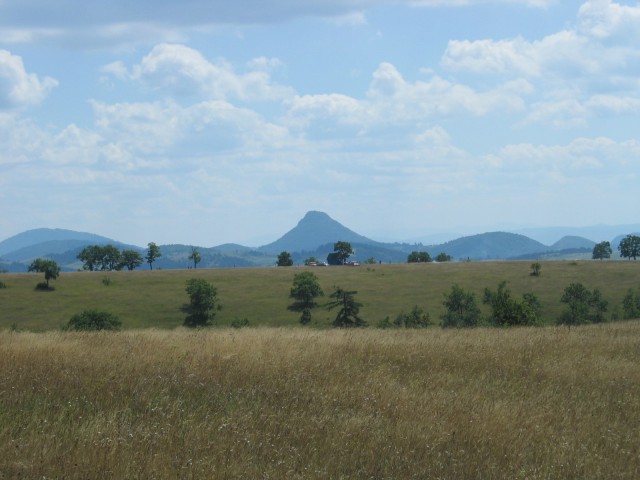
(240,322)
(461,309)
(535,269)
(92,320)
(153,253)
(443,257)
(195,257)
(348,309)
(106,281)
(333,259)
(507,311)
(203,303)
(131,259)
(630,247)
(585,306)
(305,290)
(601,250)
(305,317)
(343,251)
(108,258)
(416,318)
(284,259)
(419,257)
(2,284)
(50,269)
(631,304)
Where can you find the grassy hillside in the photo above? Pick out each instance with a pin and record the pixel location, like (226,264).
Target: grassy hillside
(304,404)
(154,299)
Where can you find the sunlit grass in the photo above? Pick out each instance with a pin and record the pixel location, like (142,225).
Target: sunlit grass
(300,403)
(154,299)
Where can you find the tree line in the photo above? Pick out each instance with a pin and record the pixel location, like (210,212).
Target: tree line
(110,257)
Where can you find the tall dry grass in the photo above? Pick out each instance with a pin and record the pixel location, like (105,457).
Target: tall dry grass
(277,403)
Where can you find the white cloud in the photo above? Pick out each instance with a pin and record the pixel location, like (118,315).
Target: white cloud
(19,88)
(605,19)
(184,71)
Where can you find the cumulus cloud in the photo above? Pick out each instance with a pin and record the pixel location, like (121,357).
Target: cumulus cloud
(19,88)
(182,71)
(606,19)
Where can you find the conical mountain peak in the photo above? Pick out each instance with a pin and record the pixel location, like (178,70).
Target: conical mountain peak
(313,230)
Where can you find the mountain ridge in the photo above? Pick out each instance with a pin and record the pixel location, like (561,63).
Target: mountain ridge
(314,235)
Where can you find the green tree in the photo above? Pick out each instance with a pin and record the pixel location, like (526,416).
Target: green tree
(131,259)
(348,309)
(631,304)
(203,303)
(630,247)
(461,309)
(343,251)
(153,253)
(601,251)
(333,259)
(419,257)
(50,269)
(91,257)
(443,257)
(91,320)
(111,258)
(536,268)
(507,311)
(416,318)
(284,259)
(195,257)
(305,290)
(585,306)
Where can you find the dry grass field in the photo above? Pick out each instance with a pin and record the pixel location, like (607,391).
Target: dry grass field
(527,403)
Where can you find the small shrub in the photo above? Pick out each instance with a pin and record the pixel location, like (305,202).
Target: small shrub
(2,284)
(535,269)
(93,320)
(385,323)
(106,281)
(416,318)
(240,323)
(45,287)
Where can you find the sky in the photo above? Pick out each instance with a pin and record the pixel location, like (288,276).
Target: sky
(204,122)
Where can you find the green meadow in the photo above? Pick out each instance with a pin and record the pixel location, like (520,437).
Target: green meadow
(144,299)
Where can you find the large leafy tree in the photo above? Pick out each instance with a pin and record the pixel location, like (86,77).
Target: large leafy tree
(111,258)
(461,308)
(419,257)
(203,303)
(343,251)
(50,269)
(349,309)
(284,259)
(131,259)
(601,251)
(509,311)
(91,257)
(153,253)
(630,247)
(305,290)
(585,306)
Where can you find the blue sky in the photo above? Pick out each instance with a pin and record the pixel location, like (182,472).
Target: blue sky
(204,122)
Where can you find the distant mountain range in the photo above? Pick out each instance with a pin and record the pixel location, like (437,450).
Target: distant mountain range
(313,236)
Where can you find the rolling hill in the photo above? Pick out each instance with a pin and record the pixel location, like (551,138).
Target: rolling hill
(313,236)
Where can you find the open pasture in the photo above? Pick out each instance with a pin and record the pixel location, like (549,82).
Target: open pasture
(529,403)
(154,298)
